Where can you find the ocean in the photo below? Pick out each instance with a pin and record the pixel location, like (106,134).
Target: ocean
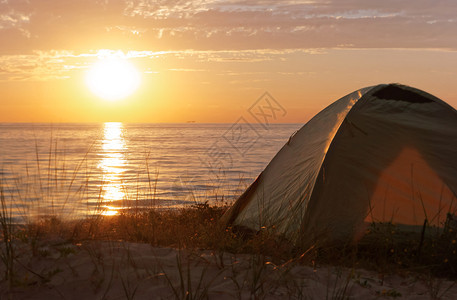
(77,170)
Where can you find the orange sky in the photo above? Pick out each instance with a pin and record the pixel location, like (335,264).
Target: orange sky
(209,61)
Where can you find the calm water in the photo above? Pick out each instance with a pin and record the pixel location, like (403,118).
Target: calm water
(78,169)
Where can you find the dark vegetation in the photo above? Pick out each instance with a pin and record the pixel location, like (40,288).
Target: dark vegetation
(385,248)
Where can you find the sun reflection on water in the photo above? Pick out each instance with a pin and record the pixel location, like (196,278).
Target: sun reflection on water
(113,166)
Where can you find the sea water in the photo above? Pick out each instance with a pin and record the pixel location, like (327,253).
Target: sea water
(75,170)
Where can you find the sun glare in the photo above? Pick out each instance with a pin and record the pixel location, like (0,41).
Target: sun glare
(113,78)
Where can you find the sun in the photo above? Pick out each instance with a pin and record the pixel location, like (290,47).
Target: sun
(113,78)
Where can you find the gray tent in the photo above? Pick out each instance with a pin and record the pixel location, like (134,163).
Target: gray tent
(386,153)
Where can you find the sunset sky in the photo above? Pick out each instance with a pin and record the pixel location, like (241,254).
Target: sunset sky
(209,61)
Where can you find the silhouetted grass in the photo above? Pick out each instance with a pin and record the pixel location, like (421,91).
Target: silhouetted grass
(384,249)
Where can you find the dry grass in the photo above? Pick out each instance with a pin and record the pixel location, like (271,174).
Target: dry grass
(385,248)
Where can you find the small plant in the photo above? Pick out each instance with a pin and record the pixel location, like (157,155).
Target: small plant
(47,276)
(340,291)
(436,288)
(129,290)
(186,289)
(257,267)
(66,251)
(389,293)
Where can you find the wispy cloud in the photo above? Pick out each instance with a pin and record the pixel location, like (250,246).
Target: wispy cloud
(38,66)
(12,18)
(45,65)
(187,70)
(225,24)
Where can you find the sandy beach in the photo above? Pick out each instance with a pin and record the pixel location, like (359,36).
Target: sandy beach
(121,270)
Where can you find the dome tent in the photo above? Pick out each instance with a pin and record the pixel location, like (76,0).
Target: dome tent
(386,153)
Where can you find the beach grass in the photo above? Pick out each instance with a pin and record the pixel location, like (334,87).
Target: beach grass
(385,247)
(384,250)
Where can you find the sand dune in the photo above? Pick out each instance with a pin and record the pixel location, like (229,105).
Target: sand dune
(120,270)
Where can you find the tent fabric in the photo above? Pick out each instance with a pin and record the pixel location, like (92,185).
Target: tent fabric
(386,153)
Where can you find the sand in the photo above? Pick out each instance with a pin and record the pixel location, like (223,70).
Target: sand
(121,270)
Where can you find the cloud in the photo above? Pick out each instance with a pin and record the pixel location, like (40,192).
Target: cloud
(45,65)
(175,25)
(38,66)
(187,70)
(164,9)
(12,19)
